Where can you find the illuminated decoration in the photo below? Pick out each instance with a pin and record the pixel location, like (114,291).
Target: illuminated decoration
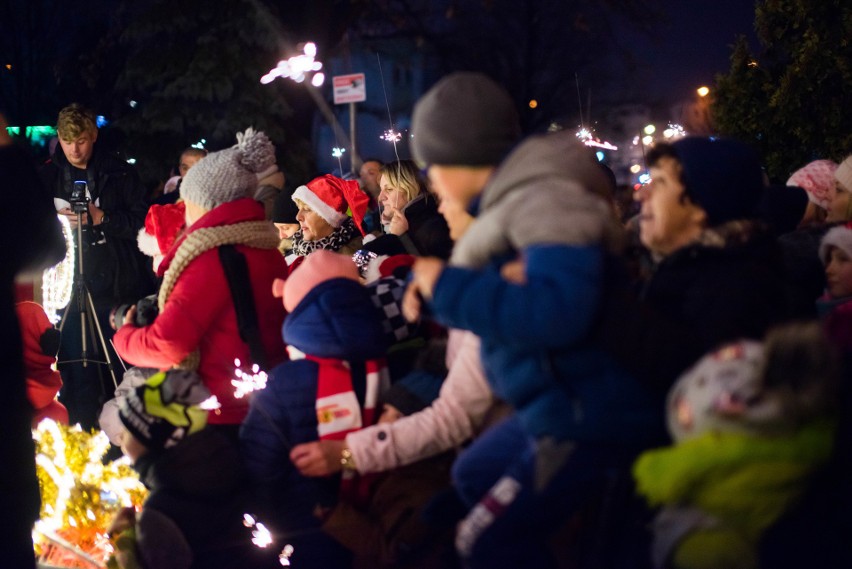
(600,156)
(648,140)
(79,495)
(101,121)
(752,63)
(703,91)
(298,68)
(650,129)
(131,160)
(337,152)
(391,136)
(200,144)
(644,178)
(38,135)
(589,139)
(132,104)
(533,103)
(262,537)
(635,169)
(57,281)
(245,382)
(674,131)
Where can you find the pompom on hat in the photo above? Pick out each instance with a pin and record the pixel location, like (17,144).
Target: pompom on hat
(840,237)
(817,179)
(318,267)
(230,174)
(165,409)
(843,174)
(330,197)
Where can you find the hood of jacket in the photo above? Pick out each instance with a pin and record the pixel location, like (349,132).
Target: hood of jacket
(336,319)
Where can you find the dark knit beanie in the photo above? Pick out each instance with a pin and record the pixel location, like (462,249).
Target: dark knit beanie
(284,209)
(465,119)
(414,392)
(723,176)
(165,409)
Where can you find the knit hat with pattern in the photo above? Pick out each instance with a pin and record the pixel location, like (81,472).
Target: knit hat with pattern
(816,178)
(230,174)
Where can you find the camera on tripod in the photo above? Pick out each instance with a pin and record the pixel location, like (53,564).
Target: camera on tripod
(79,200)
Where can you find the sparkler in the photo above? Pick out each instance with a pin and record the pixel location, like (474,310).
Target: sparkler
(246,382)
(298,68)
(391,136)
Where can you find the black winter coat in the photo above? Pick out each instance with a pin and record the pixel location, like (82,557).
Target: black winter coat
(124,274)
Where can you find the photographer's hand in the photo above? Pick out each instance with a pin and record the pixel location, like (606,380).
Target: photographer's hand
(72,217)
(96,213)
(130,317)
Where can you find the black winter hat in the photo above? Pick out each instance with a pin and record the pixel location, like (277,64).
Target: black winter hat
(465,119)
(721,175)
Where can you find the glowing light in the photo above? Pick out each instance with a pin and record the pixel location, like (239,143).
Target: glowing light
(9,66)
(674,131)
(647,140)
(298,68)
(200,144)
(635,169)
(644,178)
(210,404)
(533,103)
(337,152)
(57,281)
(589,139)
(284,556)
(650,129)
(703,91)
(752,63)
(132,104)
(131,160)
(584,134)
(391,136)
(600,156)
(246,382)
(101,121)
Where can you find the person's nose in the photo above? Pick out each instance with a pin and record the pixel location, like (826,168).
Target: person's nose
(642,193)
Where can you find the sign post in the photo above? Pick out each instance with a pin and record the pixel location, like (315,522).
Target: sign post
(350,89)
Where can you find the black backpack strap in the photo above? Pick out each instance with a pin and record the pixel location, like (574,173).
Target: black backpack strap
(237,275)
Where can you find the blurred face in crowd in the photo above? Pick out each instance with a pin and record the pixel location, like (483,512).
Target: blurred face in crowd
(456,216)
(187,161)
(839,208)
(668,219)
(286,230)
(838,273)
(459,183)
(313,226)
(391,196)
(369,173)
(79,150)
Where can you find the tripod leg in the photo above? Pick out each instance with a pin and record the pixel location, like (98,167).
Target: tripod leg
(101,339)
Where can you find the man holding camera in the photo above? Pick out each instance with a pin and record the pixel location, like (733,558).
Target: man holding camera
(105,196)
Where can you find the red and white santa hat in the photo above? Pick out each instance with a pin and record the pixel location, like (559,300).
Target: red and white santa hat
(331,197)
(163,225)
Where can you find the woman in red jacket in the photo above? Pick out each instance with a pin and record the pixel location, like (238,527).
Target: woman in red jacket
(197,327)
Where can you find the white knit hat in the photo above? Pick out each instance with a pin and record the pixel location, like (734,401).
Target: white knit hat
(230,174)
(840,237)
(844,174)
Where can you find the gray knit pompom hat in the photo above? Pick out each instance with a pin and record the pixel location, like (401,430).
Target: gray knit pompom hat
(230,174)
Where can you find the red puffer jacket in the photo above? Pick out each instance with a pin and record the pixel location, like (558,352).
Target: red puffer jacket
(199,313)
(43,382)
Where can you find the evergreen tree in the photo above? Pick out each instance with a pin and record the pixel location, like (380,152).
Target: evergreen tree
(193,71)
(792,99)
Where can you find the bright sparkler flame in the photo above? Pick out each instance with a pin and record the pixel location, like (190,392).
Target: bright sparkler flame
(298,68)
(58,280)
(391,136)
(337,152)
(246,382)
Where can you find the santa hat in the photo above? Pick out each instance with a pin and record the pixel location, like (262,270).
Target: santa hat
(330,197)
(816,178)
(840,237)
(163,225)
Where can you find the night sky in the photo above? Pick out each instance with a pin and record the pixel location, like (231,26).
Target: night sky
(693,46)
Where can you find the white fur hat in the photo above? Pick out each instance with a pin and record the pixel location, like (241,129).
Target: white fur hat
(840,237)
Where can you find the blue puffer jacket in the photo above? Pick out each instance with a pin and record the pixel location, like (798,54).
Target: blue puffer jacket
(543,207)
(336,319)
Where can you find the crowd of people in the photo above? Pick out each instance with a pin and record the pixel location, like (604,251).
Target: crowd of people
(474,358)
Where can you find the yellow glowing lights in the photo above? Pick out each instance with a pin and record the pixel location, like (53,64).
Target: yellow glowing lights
(703,91)
(533,103)
(647,140)
(635,169)
(650,129)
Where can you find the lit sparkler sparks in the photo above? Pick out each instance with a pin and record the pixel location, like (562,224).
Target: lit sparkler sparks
(246,382)
(391,136)
(298,68)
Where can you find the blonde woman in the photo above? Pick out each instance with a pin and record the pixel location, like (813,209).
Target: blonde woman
(410,212)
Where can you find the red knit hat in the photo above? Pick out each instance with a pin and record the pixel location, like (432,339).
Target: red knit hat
(331,197)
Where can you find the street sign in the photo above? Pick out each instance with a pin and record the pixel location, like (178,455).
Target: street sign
(349,88)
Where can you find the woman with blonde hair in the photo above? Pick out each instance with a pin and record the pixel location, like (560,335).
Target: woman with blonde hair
(410,212)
